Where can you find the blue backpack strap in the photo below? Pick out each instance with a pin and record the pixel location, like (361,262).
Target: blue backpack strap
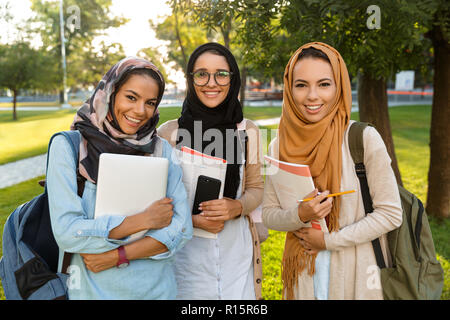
(74,139)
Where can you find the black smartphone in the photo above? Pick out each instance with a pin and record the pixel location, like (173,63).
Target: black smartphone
(207,189)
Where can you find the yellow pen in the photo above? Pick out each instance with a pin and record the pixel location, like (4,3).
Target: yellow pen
(328,196)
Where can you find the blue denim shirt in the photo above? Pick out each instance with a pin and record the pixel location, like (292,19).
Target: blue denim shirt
(76,231)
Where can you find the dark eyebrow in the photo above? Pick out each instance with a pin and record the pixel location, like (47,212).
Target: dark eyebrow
(136,94)
(301,80)
(217,70)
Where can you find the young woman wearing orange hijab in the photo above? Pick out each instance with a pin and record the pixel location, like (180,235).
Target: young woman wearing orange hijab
(313,130)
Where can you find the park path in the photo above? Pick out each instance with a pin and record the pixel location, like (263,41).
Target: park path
(22,170)
(26,169)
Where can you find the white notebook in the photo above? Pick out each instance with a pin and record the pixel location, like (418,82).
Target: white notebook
(292,182)
(128,184)
(194,164)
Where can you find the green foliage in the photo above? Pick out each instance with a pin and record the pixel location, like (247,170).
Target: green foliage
(152,55)
(222,21)
(94,17)
(86,64)
(272,30)
(89,66)
(183,34)
(23,67)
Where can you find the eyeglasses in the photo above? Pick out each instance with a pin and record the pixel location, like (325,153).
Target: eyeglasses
(201,78)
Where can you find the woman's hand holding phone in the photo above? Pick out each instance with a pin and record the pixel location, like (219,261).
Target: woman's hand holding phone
(201,222)
(220,209)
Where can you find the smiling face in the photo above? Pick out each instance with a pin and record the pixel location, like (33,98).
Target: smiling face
(313,88)
(135,102)
(211,94)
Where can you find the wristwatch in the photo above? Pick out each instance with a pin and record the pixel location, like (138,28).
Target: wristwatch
(123,261)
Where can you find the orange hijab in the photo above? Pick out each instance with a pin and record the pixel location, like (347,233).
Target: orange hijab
(318,145)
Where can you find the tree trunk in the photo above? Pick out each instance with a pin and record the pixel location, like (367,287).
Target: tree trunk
(373,108)
(243,85)
(226,35)
(14,104)
(177,32)
(438,197)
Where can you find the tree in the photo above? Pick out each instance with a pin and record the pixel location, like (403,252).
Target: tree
(23,67)
(153,55)
(438,197)
(375,41)
(92,62)
(220,18)
(183,35)
(84,20)
(5,15)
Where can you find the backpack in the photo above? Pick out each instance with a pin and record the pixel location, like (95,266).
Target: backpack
(416,273)
(28,268)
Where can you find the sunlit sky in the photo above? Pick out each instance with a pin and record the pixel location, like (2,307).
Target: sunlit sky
(134,35)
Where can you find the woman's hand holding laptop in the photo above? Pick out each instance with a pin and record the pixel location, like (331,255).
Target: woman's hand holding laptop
(156,216)
(159,214)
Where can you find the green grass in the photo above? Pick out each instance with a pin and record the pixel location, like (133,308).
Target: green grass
(11,198)
(38,104)
(29,135)
(410,126)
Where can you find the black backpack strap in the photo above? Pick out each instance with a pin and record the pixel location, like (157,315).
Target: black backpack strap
(356,145)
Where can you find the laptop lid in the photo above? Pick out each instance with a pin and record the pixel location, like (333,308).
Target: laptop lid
(128,184)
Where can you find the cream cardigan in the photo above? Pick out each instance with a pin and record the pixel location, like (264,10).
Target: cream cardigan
(353,269)
(252,187)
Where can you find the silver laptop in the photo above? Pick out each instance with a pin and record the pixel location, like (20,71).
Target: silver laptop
(127,184)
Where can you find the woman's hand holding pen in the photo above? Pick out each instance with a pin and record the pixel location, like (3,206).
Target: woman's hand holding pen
(315,209)
(318,208)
